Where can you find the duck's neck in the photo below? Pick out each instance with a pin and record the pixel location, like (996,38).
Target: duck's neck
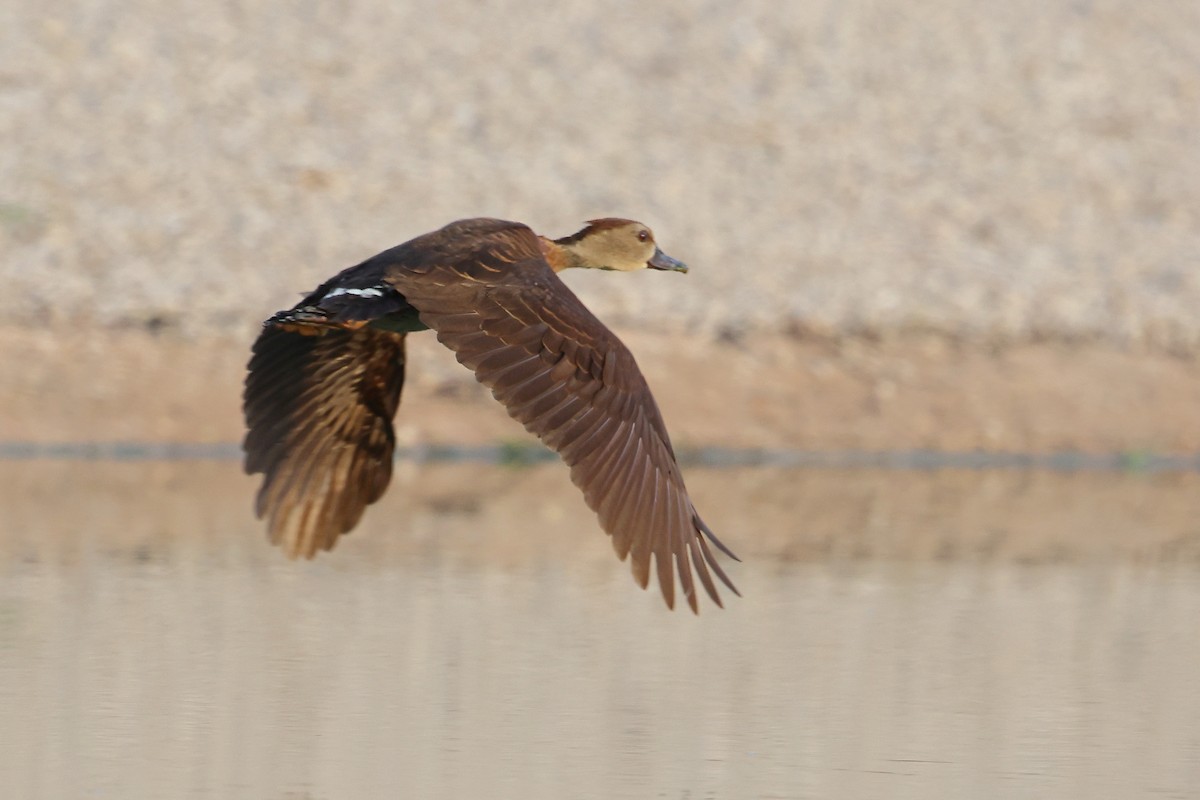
(558,256)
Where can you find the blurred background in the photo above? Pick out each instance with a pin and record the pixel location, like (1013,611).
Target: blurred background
(914,232)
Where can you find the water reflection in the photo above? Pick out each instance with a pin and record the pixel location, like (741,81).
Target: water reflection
(486,643)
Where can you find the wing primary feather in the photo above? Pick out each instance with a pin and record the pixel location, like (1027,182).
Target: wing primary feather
(586,474)
(337,489)
(716,566)
(713,537)
(615,470)
(663,542)
(671,538)
(628,503)
(642,537)
(684,569)
(701,567)
(623,535)
(297,494)
(601,468)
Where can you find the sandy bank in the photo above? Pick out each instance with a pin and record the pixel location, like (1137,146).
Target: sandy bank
(802,391)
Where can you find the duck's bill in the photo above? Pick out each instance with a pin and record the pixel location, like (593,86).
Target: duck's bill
(661,260)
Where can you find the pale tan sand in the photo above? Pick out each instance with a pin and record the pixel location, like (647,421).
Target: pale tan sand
(806,392)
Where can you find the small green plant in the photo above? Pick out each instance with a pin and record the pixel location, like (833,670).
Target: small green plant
(520,455)
(1136,460)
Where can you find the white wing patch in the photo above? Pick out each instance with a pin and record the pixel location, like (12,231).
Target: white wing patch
(356,292)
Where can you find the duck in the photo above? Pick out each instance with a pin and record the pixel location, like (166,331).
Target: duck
(323,386)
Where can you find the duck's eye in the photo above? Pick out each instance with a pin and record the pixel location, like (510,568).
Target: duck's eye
(643,236)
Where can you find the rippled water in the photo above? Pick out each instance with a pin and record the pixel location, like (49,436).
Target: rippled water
(476,638)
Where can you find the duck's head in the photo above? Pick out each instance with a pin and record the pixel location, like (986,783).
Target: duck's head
(617,244)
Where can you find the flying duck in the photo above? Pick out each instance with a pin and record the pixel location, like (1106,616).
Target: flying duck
(324,381)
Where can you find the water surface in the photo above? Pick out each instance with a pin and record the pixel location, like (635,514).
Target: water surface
(901,636)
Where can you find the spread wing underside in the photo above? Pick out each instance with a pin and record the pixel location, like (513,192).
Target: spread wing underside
(319,406)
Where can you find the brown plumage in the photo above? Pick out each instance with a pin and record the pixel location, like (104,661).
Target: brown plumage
(325,377)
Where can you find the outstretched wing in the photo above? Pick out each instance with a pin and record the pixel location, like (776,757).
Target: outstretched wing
(569,380)
(319,402)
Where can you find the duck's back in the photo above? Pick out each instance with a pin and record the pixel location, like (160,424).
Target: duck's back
(462,246)
(466,250)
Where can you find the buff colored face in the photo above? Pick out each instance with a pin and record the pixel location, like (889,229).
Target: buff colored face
(625,249)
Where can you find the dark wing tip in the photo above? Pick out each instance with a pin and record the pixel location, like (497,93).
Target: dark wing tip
(712,537)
